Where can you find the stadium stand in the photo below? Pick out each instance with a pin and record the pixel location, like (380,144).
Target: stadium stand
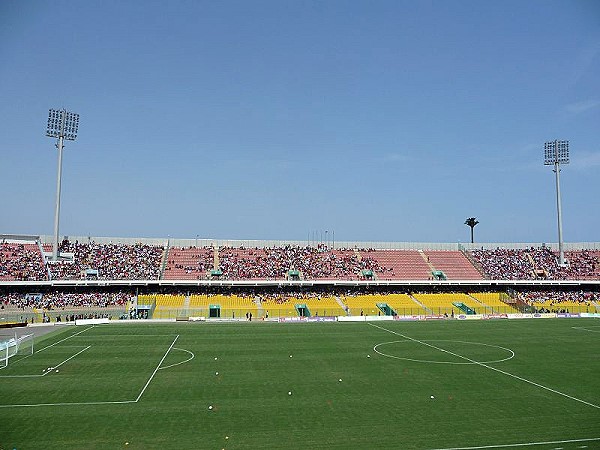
(229,306)
(240,263)
(401,304)
(280,307)
(561,301)
(400,264)
(230,281)
(322,306)
(495,302)
(583,265)
(307,262)
(138,261)
(449,303)
(165,306)
(189,263)
(60,299)
(111,261)
(504,264)
(22,262)
(537,263)
(359,305)
(272,302)
(455,265)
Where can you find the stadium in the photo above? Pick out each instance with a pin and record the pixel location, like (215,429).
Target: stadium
(315,344)
(299,224)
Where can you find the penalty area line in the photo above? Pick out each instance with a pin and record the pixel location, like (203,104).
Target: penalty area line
(34,405)
(52,345)
(49,371)
(122,402)
(70,358)
(62,340)
(156,370)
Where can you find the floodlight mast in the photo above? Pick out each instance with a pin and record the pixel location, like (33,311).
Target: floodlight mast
(61,125)
(555,153)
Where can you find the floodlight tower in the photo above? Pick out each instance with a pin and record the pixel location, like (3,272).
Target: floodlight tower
(62,125)
(557,153)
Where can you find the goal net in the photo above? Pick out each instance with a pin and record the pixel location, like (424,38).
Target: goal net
(15,345)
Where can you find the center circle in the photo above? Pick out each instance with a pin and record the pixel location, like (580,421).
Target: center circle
(449,352)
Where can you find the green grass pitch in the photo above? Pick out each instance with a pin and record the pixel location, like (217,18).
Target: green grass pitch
(524,383)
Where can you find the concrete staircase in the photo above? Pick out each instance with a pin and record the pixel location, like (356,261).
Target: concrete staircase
(426,259)
(420,304)
(342,305)
(216,262)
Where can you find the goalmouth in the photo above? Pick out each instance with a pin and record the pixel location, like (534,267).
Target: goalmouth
(15,345)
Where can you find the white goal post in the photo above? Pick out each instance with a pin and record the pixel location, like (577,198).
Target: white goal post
(17,345)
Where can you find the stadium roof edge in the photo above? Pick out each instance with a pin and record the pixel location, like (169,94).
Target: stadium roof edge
(19,237)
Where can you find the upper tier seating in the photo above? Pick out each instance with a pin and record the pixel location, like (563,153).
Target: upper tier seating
(21,262)
(540,263)
(141,262)
(189,263)
(112,261)
(584,264)
(310,262)
(399,264)
(454,264)
(240,263)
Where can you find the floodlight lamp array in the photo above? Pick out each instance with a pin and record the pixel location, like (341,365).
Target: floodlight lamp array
(62,123)
(556,152)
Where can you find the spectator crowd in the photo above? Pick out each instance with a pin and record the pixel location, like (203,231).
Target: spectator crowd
(197,261)
(143,262)
(111,261)
(21,262)
(56,299)
(537,263)
(310,262)
(559,301)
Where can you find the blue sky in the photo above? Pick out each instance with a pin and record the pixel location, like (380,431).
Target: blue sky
(379,120)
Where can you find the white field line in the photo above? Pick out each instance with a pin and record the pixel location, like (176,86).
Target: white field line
(156,370)
(68,359)
(522,444)
(490,367)
(62,340)
(32,354)
(182,362)
(17,360)
(512,354)
(52,345)
(33,405)
(121,402)
(587,329)
(47,372)
(102,336)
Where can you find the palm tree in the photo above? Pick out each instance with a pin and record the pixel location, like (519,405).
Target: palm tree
(471,221)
